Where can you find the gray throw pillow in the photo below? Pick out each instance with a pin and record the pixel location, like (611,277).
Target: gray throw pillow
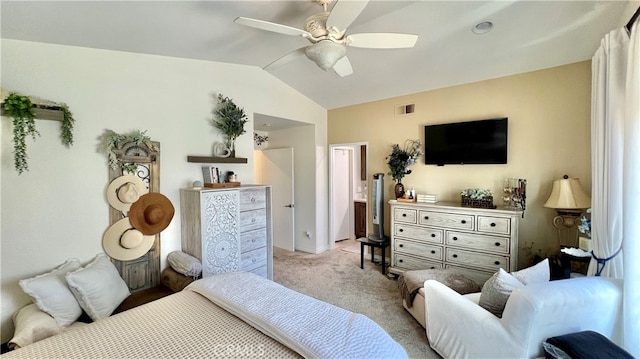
(496,291)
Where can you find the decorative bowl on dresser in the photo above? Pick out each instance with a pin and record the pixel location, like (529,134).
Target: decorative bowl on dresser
(473,241)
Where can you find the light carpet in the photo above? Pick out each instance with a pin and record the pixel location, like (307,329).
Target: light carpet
(335,277)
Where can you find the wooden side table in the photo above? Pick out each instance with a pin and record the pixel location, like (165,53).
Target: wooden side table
(566,261)
(374,243)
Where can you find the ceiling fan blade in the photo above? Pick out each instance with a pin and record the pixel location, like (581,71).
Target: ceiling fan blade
(343,67)
(382,40)
(344,13)
(293,55)
(270,26)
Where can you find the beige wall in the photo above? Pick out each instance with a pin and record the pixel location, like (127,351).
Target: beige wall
(549,136)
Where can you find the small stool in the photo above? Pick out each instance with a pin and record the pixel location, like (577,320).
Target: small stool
(374,243)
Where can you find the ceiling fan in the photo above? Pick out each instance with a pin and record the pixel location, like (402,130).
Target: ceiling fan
(327,33)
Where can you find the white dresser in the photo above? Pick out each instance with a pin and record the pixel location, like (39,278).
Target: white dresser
(228,229)
(473,241)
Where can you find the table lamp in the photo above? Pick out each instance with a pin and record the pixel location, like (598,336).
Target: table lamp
(568,199)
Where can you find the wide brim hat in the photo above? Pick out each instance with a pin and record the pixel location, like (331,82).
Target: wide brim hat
(151,213)
(123,242)
(124,191)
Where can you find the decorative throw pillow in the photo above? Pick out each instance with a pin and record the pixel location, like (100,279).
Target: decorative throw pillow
(31,324)
(50,293)
(534,274)
(98,287)
(184,263)
(496,291)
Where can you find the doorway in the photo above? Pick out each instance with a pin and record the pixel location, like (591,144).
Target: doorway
(348,183)
(277,171)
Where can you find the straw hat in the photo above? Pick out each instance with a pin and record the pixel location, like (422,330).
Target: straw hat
(123,242)
(125,190)
(151,213)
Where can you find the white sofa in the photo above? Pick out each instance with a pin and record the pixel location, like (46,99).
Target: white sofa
(457,327)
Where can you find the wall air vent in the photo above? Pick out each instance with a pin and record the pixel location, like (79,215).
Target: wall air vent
(403,110)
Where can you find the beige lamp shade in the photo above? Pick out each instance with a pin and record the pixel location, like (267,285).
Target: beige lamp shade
(567,193)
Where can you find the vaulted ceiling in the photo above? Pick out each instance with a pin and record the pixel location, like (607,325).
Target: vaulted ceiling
(527,36)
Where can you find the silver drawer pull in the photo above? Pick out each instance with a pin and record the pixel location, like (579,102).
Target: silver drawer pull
(253,260)
(496,263)
(497,244)
(455,256)
(492,224)
(253,199)
(253,220)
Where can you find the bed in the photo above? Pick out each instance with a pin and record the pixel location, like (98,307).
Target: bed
(229,315)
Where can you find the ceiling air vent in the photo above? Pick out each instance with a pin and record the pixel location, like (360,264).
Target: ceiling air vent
(404,110)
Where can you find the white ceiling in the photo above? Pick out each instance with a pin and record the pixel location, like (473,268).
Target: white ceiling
(528,35)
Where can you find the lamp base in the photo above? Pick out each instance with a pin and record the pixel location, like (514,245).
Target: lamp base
(566,223)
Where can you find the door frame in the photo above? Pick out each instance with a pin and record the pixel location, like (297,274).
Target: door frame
(355,147)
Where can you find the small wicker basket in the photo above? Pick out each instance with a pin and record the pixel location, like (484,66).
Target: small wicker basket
(486,202)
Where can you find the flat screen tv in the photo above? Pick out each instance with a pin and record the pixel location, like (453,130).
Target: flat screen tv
(471,142)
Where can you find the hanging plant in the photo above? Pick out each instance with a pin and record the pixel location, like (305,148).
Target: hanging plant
(22,110)
(230,120)
(112,141)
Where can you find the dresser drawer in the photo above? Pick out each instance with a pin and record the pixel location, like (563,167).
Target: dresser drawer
(494,225)
(261,271)
(253,239)
(251,220)
(253,198)
(418,233)
(488,261)
(253,259)
(418,249)
(449,220)
(405,215)
(477,241)
(407,262)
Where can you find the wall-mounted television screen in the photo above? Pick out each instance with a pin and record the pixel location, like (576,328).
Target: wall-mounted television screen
(471,142)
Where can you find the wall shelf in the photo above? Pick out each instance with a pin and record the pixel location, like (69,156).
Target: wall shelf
(43,114)
(213,159)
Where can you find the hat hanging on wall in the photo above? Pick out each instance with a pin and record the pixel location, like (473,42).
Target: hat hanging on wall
(125,190)
(123,242)
(151,213)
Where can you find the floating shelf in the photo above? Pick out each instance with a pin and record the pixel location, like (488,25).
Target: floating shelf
(43,114)
(213,159)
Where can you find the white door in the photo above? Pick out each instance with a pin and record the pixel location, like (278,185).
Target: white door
(341,189)
(277,171)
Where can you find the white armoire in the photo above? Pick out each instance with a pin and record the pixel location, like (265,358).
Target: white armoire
(228,229)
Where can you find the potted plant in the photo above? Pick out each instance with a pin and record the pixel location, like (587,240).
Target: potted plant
(112,141)
(230,120)
(399,161)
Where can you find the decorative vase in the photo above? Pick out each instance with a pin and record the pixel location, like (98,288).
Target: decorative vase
(231,146)
(399,190)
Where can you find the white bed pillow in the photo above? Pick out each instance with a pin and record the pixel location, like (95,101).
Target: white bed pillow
(98,287)
(50,293)
(535,274)
(31,324)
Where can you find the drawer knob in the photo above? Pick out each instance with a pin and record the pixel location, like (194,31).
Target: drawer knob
(253,199)
(253,220)
(432,267)
(433,235)
(497,244)
(492,224)
(400,245)
(496,263)
(404,215)
(433,252)
(455,256)
(400,260)
(253,240)
(463,221)
(400,230)
(455,238)
(426,217)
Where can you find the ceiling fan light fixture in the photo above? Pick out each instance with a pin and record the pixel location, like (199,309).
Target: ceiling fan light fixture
(325,53)
(482,27)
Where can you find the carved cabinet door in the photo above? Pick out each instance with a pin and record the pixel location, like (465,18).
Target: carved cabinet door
(143,272)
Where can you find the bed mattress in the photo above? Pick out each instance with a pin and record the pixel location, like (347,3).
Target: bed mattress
(182,325)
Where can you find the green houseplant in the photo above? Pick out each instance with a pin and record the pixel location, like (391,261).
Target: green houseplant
(230,120)
(112,141)
(400,160)
(22,110)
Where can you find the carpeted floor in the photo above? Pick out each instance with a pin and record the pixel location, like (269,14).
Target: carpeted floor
(336,277)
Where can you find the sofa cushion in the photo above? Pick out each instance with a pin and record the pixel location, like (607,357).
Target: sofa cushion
(537,273)
(496,291)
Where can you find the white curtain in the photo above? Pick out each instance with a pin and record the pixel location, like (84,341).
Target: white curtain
(615,161)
